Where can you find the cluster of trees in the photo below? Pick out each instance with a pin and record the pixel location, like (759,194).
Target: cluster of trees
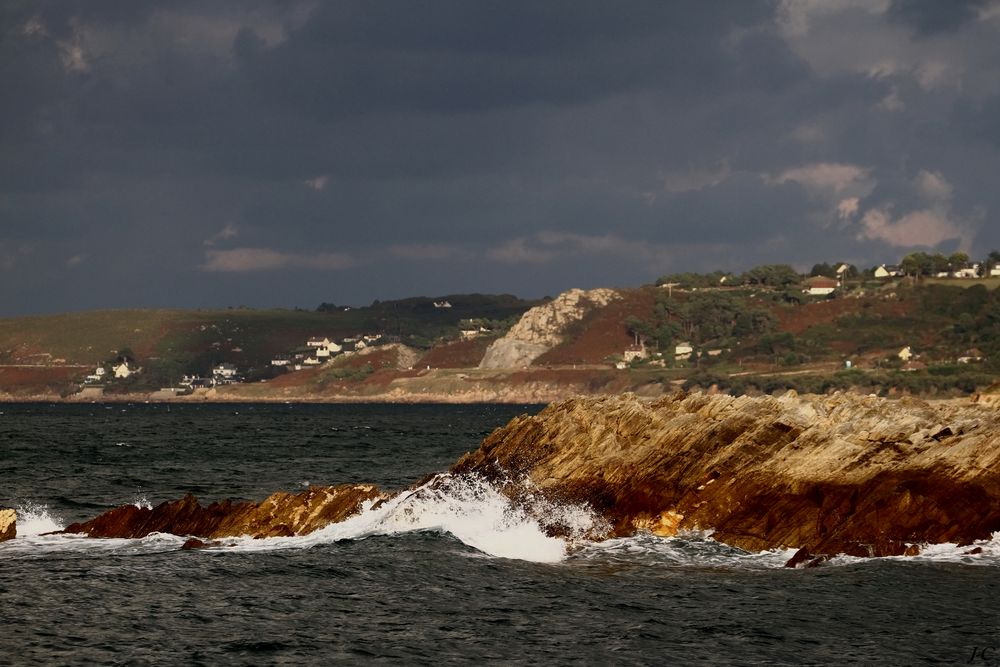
(924,264)
(767,275)
(701,318)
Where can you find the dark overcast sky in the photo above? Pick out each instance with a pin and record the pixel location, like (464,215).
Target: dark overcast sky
(193,154)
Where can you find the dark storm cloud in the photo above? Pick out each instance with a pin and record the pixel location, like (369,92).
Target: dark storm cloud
(199,154)
(934,16)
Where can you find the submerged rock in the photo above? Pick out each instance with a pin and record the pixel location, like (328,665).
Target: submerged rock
(8,524)
(279,515)
(824,474)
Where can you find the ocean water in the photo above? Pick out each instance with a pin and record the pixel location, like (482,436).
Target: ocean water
(452,574)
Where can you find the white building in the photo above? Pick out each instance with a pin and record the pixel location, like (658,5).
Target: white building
(319,342)
(683,350)
(123,370)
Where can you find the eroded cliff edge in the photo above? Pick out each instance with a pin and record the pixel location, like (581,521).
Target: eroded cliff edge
(825,474)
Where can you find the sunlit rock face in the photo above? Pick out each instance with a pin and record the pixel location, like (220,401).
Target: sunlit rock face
(543,327)
(279,515)
(8,524)
(825,474)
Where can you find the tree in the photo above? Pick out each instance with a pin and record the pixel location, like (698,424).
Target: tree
(823,269)
(772,275)
(958,260)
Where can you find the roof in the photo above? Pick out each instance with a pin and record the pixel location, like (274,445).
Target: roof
(821,281)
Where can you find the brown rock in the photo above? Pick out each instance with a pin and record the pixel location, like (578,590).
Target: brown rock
(8,524)
(281,514)
(832,474)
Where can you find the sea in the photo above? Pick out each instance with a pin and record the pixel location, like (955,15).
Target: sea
(457,575)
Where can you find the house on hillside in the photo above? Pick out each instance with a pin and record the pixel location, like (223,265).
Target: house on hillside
(311,361)
(888,271)
(633,352)
(225,373)
(820,286)
(995,271)
(123,369)
(327,351)
(973,356)
(967,272)
(683,351)
(281,360)
(319,342)
(442,304)
(99,375)
(905,354)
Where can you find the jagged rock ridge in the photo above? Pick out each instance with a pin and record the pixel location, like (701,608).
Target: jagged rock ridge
(279,515)
(826,474)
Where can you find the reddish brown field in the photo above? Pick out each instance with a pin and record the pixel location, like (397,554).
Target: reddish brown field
(460,354)
(42,379)
(800,318)
(603,333)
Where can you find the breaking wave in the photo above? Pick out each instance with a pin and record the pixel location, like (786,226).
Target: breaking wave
(477,514)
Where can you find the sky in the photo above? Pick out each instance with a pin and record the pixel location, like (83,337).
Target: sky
(261,153)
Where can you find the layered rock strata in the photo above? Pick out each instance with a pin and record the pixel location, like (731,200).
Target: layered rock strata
(8,524)
(824,474)
(279,515)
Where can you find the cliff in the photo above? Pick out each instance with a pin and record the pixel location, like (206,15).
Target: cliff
(543,327)
(825,474)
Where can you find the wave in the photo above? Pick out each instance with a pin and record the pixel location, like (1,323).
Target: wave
(468,508)
(477,514)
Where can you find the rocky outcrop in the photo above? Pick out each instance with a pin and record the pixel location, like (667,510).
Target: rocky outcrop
(823,474)
(8,524)
(826,475)
(280,515)
(541,328)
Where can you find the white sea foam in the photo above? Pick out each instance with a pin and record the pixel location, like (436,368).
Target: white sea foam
(35,519)
(468,508)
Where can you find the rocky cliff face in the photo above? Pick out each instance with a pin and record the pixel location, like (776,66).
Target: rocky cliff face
(8,524)
(279,515)
(542,328)
(828,475)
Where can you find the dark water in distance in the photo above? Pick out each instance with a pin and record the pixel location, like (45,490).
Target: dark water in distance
(381,590)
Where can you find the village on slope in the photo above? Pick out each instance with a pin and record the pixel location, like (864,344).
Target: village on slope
(767,329)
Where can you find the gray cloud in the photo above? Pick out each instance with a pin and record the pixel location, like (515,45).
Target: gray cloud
(187,154)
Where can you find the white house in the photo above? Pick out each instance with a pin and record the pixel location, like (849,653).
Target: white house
(442,304)
(311,361)
(683,350)
(319,342)
(224,373)
(97,375)
(821,285)
(123,370)
(888,271)
(967,272)
(995,271)
(905,354)
(281,360)
(327,351)
(633,352)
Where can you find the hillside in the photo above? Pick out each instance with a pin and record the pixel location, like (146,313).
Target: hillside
(931,339)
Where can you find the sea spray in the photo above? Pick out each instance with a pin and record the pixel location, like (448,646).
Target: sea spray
(468,508)
(34,519)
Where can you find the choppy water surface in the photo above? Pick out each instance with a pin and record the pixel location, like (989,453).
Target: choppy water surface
(453,575)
